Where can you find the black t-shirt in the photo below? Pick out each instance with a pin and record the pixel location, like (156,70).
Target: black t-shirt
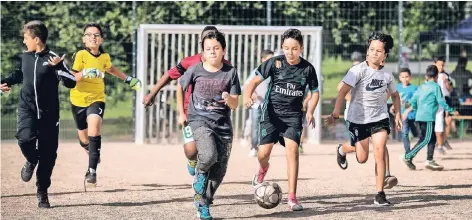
(287,86)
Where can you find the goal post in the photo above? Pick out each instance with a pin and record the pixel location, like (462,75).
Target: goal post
(162,46)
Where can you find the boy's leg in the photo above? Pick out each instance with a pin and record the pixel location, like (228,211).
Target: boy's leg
(48,143)
(80,117)
(256,118)
(427,131)
(27,135)
(95,114)
(430,163)
(405,135)
(291,149)
(268,135)
(218,170)
(379,140)
(439,129)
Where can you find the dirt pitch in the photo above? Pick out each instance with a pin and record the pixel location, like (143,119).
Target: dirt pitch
(151,182)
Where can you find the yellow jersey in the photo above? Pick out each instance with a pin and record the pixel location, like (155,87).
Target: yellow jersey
(88,91)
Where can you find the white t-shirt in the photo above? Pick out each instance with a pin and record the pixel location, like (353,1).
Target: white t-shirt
(442,84)
(368,93)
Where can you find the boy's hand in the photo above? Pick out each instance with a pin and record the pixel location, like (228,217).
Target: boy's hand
(455,113)
(135,83)
(56,60)
(182,120)
(405,116)
(4,87)
(248,102)
(149,100)
(398,121)
(310,120)
(331,119)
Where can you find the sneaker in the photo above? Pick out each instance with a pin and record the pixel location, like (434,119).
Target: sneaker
(409,164)
(191,164)
(253,152)
(381,199)
(294,205)
(259,177)
(447,145)
(432,165)
(203,210)
(27,171)
(91,177)
(43,200)
(342,162)
(390,182)
(300,149)
(200,182)
(440,150)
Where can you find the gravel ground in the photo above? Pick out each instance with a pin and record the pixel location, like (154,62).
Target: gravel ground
(151,182)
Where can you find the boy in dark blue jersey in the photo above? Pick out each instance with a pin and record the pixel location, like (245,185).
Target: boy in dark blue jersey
(282,114)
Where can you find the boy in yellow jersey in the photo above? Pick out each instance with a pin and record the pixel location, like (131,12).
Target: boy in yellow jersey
(88,97)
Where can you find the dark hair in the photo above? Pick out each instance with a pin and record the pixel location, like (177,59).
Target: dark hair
(405,70)
(294,34)
(266,53)
(95,25)
(432,71)
(37,29)
(220,37)
(384,38)
(439,58)
(462,62)
(357,56)
(209,28)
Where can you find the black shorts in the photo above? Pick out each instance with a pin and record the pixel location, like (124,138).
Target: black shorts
(448,100)
(81,113)
(274,128)
(359,132)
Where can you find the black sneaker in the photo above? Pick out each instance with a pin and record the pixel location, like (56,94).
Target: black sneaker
(381,199)
(409,164)
(43,200)
(27,171)
(390,182)
(342,162)
(447,145)
(91,177)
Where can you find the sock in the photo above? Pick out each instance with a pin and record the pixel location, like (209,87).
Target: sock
(95,143)
(292,196)
(340,150)
(263,169)
(387,173)
(84,145)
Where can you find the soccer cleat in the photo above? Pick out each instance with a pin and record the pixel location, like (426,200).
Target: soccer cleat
(447,145)
(253,152)
(294,205)
(440,150)
(409,164)
(342,162)
(199,182)
(203,210)
(390,182)
(27,171)
(43,200)
(191,164)
(432,165)
(91,178)
(259,176)
(381,199)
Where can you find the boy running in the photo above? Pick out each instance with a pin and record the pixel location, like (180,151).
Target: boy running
(38,113)
(282,111)
(215,92)
(368,115)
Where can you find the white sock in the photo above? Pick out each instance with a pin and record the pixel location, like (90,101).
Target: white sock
(387,173)
(340,150)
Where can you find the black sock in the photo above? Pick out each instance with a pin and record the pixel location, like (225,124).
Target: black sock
(84,145)
(95,143)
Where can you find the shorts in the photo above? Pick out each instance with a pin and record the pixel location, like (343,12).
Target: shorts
(187,134)
(274,128)
(439,122)
(80,114)
(359,132)
(304,124)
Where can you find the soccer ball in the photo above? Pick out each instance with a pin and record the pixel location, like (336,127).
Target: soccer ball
(268,195)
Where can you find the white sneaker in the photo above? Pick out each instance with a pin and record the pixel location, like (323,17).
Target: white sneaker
(253,152)
(432,165)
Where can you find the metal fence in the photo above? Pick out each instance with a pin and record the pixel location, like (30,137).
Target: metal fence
(346,26)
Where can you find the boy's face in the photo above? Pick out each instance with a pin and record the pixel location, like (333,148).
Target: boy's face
(92,38)
(440,65)
(376,52)
(266,57)
(213,52)
(405,78)
(30,41)
(292,50)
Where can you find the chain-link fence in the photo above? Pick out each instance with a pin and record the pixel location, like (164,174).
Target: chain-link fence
(346,26)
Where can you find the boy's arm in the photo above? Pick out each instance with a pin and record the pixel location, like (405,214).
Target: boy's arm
(180,105)
(262,72)
(15,77)
(441,101)
(314,97)
(233,99)
(306,100)
(134,82)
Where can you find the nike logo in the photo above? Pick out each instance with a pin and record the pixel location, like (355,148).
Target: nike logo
(45,63)
(374,84)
